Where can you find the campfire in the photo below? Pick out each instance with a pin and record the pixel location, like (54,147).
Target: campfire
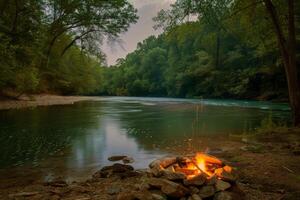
(201,176)
(203,165)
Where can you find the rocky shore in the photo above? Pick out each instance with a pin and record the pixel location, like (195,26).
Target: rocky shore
(267,168)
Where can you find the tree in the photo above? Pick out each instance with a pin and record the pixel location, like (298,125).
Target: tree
(287,45)
(87,22)
(217,11)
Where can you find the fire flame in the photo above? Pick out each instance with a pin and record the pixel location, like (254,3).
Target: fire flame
(203,163)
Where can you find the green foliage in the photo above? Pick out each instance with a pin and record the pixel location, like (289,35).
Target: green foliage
(54,46)
(230,51)
(26,80)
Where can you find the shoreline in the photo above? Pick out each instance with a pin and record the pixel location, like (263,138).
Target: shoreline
(41,100)
(266,166)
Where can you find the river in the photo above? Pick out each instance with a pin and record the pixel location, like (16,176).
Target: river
(72,141)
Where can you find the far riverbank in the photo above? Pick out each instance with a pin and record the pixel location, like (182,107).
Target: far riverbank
(41,100)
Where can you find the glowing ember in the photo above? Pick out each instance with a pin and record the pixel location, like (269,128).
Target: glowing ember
(202,164)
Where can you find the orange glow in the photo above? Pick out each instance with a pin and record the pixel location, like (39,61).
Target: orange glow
(202,163)
(204,160)
(205,163)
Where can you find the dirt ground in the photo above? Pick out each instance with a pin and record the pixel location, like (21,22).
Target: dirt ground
(267,164)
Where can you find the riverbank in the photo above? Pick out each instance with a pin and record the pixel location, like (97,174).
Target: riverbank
(267,166)
(41,100)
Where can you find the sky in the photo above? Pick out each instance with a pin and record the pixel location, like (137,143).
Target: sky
(147,9)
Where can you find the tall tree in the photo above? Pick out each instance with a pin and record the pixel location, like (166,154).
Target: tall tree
(287,45)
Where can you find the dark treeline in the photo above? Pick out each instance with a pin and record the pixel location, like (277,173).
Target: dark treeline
(228,52)
(245,49)
(54,45)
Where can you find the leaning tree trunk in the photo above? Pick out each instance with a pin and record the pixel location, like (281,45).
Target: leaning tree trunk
(288,53)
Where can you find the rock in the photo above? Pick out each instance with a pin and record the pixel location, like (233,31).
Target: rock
(222,185)
(143,186)
(57,183)
(158,196)
(169,188)
(252,148)
(156,170)
(225,175)
(147,195)
(23,194)
(206,191)
(194,190)
(195,197)
(197,180)
(127,160)
(212,180)
(126,196)
(223,196)
(173,176)
(113,190)
(128,174)
(116,158)
(118,169)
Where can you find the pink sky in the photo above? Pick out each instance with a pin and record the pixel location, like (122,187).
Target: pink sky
(147,9)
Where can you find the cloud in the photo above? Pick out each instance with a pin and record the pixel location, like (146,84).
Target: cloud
(147,9)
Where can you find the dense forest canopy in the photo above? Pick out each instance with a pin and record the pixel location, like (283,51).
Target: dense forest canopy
(55,46)
(230,52)
(210,49)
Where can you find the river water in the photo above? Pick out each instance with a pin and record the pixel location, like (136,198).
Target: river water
(75,140)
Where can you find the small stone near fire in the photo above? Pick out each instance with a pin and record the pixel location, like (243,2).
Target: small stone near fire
(194,190)
(143,186)
(212,180)
(116,169)
(126,196)
(113,190)
(169,188)
(222,185)
(195,197)
(173,176)
(116,158)
(158,197)
(197,180)
(206,191)
(223,196)
(127,160)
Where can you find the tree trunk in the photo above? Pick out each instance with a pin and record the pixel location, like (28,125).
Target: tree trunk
(294,82)
(288,53)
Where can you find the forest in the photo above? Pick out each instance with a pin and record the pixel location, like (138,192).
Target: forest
(54,46)
(208,49)
(231,52)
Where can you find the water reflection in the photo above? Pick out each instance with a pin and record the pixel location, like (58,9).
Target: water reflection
(73,139)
